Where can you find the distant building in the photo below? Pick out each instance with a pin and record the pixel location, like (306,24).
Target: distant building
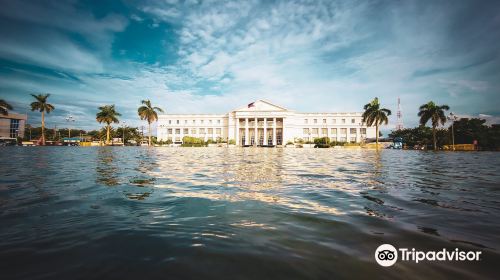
(261,123)
(12,125)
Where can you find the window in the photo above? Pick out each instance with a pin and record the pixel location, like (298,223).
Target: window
(343,131)
(14,128)
(194,121)
(363,130)
(177,121)
(185,121)
(352,131)
(324,131)
(218,121)
(210,131)
(334,120)
(202,131)
(315,120)
(210,121)
(177,131)
(324,120)
(353,139)
(169,121)
(333,131)
(169,131)
(314,131)
(201,121)
(186,131)
(306,130)
(218,131)
(343,120)
(306,121)
(343,139)
(193,131)
(353,120)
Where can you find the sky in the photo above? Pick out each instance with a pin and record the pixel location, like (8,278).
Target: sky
(198,56)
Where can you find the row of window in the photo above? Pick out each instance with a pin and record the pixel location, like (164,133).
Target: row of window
(324,131)
(194,121)
(306,121)
(218,131)
(334,139)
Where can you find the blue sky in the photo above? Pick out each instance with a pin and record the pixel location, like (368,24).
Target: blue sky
(198,56)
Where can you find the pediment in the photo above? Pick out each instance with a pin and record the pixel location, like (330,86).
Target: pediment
(261,105)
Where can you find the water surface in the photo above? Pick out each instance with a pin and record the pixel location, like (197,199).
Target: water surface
(213,213)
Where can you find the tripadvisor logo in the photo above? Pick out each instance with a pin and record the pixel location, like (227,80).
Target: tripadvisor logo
(387,255)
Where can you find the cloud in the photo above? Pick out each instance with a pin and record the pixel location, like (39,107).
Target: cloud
(305,55)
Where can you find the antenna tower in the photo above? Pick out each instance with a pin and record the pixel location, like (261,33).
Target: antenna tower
(399,115)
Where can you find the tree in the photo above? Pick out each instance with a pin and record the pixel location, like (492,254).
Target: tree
(42,106)
(148,113)
(108,115)
(4,107)
(374,115)
(435,113)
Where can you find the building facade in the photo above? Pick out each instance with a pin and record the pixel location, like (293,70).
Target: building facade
(261,123)
(12,125)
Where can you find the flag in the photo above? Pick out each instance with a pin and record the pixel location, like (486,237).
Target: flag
(251,105)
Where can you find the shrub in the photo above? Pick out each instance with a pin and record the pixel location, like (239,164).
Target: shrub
(188,141)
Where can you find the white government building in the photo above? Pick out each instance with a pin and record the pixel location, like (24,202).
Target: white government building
(273,125)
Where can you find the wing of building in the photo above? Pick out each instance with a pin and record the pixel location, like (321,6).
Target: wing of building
(262,123)
(12,125)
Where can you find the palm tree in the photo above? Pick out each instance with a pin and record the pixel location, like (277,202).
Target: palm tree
(42,106)
(374,115)
(435,113)
(147,112)
(4,107)
(108,115)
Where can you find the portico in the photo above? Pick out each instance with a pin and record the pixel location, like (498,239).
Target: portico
(259,131)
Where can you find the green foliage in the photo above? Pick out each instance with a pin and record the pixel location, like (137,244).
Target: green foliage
(232,142)
(323,142)
(467,130)
(374,115)
(435,113)
(335,143)
(107,114)
(188,141)
(41,104)
(422,136)
(4,107)
(299,141)
(148,112)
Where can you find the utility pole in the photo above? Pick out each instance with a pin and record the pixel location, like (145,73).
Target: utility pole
(123,130)
(452,118)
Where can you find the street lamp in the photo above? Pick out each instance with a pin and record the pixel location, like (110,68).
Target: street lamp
(452,117)
(69,119)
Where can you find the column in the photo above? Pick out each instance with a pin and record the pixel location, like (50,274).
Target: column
(255,133)
(265,132)
(274,131)
(246,131)
(237,132)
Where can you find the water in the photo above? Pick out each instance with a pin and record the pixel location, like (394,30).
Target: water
(213,213)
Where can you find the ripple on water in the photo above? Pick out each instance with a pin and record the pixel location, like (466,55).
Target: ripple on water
(213,212)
